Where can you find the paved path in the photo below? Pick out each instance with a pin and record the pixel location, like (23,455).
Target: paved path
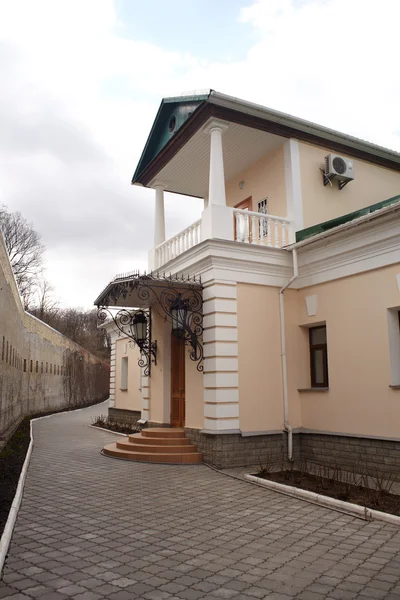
(92,527)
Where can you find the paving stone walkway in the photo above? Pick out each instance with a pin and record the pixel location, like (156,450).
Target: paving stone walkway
(92,527)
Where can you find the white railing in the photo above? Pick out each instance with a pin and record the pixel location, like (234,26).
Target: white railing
(189,237)
(263,230)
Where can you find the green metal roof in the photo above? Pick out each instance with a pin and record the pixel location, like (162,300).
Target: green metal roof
(178,108)
(303,234)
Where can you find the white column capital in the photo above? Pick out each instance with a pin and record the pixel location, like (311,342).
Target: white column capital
(215,125)
(159,184)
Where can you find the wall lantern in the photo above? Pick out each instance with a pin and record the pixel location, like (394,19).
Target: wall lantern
(179,315)
(139,324)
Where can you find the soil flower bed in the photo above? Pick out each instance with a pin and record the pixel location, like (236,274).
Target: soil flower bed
(105,422)
(343,486)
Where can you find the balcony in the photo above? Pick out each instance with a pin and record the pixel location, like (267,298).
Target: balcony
(228,223)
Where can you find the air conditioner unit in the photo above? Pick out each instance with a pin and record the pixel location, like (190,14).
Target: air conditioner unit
(339,168)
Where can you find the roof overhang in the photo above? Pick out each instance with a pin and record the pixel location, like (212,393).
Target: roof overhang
(250,118)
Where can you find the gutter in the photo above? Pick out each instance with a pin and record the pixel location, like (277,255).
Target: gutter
(286,422)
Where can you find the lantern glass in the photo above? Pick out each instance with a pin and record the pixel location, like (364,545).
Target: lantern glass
(179,313)
(139,327)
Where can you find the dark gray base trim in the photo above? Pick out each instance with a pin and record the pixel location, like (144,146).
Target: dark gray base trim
(304,430)
(347,452)
(232,450)
(123,415)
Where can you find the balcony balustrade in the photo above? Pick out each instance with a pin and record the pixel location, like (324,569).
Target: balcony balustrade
(247,227)
(261,229)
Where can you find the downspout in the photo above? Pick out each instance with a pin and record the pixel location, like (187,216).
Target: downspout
(286,423)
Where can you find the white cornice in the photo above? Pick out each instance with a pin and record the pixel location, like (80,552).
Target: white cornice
(371,245)
(233,261)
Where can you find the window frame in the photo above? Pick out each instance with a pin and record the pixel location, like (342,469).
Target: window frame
(313,349)
(124,374)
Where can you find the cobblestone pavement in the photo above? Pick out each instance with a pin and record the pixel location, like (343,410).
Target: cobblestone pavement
(92,527)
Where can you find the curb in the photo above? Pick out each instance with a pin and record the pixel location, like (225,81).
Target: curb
(368,514)
(12,515)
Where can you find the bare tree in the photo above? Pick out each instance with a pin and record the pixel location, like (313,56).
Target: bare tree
(44,306)
(24,249)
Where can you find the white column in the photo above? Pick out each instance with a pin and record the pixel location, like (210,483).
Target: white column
(113,357)
(220,344)
(159,219)
(294,198)
(145,387)
(217,218)
(216,189)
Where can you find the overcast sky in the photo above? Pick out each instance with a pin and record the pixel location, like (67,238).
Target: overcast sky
(81,81)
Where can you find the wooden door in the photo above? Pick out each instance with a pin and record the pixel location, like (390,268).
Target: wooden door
(177,381)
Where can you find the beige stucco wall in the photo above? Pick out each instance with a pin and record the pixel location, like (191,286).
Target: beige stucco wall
(371,184)
(264,179)
(259,347)
(130,399)
(359,400)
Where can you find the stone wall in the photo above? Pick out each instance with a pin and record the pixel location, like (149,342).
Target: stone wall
(40,369)
(348,453)
(232,450)
(123,415)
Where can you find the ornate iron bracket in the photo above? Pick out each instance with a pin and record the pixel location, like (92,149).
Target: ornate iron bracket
(126,321)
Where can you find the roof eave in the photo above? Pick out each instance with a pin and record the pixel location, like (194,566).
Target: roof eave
(325,133)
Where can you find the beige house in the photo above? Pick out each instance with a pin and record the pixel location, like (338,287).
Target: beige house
(276,331)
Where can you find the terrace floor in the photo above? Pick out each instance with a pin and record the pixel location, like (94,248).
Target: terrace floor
(91,527)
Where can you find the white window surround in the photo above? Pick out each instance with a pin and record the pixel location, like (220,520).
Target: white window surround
(394,345)
(124,374)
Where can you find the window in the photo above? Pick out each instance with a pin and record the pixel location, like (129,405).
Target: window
(319,357)
(124,373)
(24,365)
(393,318)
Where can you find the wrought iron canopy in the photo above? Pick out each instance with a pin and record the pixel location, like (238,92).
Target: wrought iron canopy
(170,296)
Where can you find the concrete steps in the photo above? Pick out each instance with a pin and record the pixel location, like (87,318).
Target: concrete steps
(156,444)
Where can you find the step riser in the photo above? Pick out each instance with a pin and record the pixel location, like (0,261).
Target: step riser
(136,438)
(156,445)
(190,459)
(158,449)
(163,434)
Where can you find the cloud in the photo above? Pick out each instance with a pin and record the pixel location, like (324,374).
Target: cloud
(78,98)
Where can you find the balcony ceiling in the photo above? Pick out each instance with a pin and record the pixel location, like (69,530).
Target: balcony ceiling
(187,172)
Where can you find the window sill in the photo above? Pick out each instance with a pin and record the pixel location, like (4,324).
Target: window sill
(314,389)
(395,387)
(123,389)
